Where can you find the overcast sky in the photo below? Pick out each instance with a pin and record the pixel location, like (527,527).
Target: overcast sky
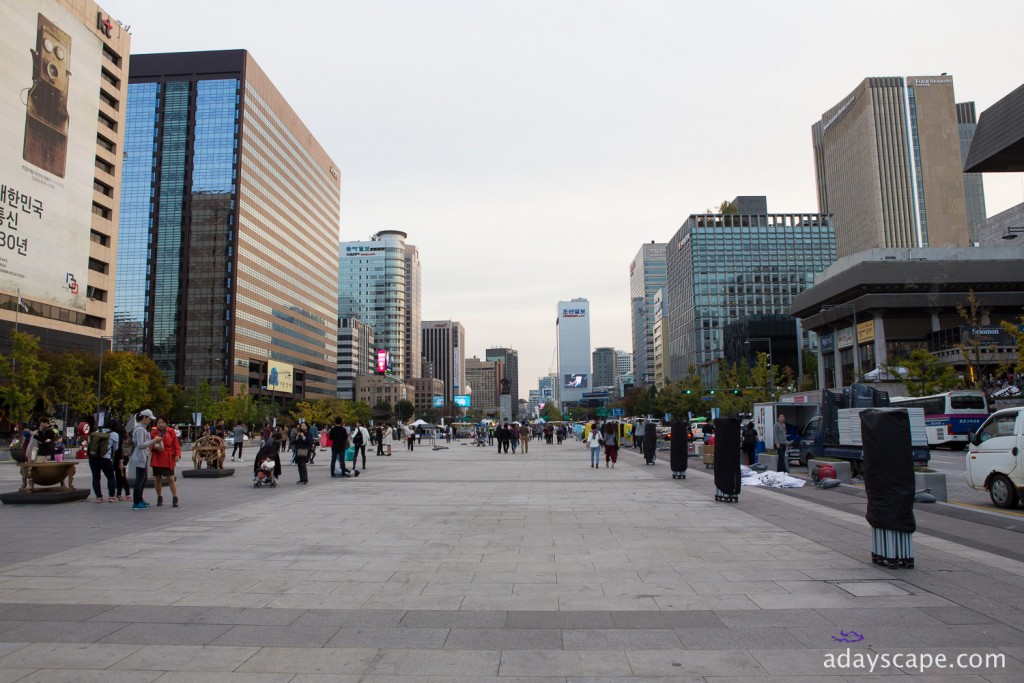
(530,147)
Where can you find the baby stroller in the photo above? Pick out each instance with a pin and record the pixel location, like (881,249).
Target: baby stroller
(267,466)
(481,438)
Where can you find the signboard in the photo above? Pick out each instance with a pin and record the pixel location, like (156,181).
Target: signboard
(595,394)
(438,401)
(462,400)
(866,332)
(578,380)
(602,412)
(574,313)
(827,342)
(988,335)
(280,376)
(618,412)
(385,364)
(48,121)
(844,338)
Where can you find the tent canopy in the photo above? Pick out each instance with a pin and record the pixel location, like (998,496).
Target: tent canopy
(886,374)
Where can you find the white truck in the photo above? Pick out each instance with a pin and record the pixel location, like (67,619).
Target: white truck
(993,461)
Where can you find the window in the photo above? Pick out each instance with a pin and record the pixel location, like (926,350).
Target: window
(1001,425)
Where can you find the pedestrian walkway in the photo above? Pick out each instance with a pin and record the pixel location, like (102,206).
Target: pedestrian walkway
(463,565)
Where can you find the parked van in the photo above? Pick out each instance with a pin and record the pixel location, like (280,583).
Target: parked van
(993,461)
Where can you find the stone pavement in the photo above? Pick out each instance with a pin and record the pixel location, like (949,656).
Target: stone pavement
(462,565)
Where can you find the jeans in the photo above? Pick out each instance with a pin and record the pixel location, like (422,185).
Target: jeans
(513,442)
(361,448)
(140,484)
(300,461)
(237,448)
(595,455)
(105,466)
(337,455)
(783,460)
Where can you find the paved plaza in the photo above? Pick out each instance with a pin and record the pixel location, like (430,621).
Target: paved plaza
(463,565)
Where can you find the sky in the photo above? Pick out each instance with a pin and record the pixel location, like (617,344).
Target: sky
(530,148)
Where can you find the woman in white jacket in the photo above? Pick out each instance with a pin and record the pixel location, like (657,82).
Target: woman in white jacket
(594,442)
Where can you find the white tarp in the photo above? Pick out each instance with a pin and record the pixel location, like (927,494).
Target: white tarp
(775,480)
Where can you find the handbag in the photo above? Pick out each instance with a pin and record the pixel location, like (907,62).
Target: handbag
(301,452)
(350,454)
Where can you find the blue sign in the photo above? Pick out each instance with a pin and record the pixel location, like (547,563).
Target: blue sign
(618,412)
(438,402)
(462,400)
(667,419)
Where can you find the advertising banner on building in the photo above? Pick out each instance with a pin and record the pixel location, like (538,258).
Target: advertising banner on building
(50,71)
(987,335)
(280,377)
(437,401)
(828,342)
(577,380)
(866,332)
(844,338)
(462,400)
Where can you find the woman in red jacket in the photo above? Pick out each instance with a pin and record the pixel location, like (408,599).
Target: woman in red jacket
(164,459)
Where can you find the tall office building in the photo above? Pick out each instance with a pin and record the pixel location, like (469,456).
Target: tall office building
(573,335)
(722,268)
(374,286)
(510,359)
(357,355)
(605,365)
(660,348)
(444,345)
(61,170)
(974,189)
(223,183)
(485,379)
(647,274)
(413,315)
(547,387)
(888,166)
(623,362)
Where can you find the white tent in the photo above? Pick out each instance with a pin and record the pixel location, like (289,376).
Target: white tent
(885,374)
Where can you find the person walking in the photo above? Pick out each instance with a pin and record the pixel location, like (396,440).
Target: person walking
(749,441)
(513,436)
(339,442)
(638,436)
(165,456)
(410,438)
(359,440)
(314,434)
(594,443)
(380,440)
(780,442)
(121,489)
(611,444)
(102,445)
(524,438)
(239,435)
(139,460)
(301,446)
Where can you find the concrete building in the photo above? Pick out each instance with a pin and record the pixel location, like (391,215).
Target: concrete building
(413,316)
(357,355)
(660,347)
(888,166)
(374,286)
(648,272)
(426,390)
(974,189)
(623,362)
(222,181)
(877,306)
(510,358)
(62,171)
(1000,229)
(724,267)
(485,378)
(375,389)
(444,345)
(605,364)
(548,388)
(573,336)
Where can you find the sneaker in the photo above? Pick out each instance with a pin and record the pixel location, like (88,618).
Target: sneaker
(111,499)
(145,505)
(100,499)
(139,506)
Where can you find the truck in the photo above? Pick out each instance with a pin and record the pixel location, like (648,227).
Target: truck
(834,431)
(797,415)
(993,461)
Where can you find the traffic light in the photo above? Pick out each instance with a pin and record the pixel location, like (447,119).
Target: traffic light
(735,392)
(712,392)
(689,391)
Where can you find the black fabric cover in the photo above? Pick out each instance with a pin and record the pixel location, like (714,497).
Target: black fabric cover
(679,451)
(727,455)
(888,469)
(650,441)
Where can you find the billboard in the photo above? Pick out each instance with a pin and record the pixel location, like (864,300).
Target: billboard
(385,363)
(462,400)
(577,380)
(48,118)
(438,402)
(280,377)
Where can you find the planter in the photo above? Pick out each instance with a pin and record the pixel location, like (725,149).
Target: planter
(936,481)
(843,471)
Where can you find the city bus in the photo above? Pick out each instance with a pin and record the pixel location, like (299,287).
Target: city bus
(949,416)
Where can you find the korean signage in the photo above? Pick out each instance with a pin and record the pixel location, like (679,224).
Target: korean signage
(280,377)
(46,164)
(866,332)
(827,342)
(844,338)
(362,250)
(574,313)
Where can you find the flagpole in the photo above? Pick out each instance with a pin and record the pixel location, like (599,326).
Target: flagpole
(17,310)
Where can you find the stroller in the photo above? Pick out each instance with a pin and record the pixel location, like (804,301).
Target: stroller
(481,438)
(267,466)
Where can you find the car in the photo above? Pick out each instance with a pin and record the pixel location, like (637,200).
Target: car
(230,439)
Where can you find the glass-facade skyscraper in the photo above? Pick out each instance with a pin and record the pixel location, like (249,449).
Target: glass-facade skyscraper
(227,196)
(573,332)
(974,189)
(444,347)
(510,359)
(647,274)
(722,268)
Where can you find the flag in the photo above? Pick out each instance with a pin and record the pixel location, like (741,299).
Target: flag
(21,302)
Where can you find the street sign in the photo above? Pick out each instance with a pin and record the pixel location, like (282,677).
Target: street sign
(707,398)
(602,412)
(618,412)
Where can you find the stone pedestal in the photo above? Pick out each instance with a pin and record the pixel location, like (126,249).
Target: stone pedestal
(207,473)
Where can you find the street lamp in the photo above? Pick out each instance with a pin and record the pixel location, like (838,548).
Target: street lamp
(99,388)
(771,369)
(195,363)
(1012,232)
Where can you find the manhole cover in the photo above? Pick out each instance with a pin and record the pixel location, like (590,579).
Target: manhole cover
(866,589)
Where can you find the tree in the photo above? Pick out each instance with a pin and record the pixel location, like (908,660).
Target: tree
(728,207)
(726,401)
(1016,330)
(131,382)
(975,350)
(69,383)
(404,410)
(550,413)
(763,378)
(925,374)
(810,371)
(26,373)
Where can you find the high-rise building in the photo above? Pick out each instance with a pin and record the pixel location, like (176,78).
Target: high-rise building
(510,358)
(725,267)
(485,379)
(444,345)
(357,355)
(647,274)
(573,328)
(974,189)
(547,387)
(61,173)
(623,362)
(605,367)
(413,315)
(533,404)
(426,390)
(223,183)
(374,287)
(660,348)
(888,166)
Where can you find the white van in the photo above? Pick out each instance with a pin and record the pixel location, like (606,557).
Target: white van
(994,459)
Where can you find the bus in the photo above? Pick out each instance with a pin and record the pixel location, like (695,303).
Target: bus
(949,416)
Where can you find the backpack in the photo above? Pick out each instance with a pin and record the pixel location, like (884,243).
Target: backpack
(99,444)
(128,443)
(358,438)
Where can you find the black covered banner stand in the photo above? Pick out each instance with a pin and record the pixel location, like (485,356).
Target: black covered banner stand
(727,459)
(889,484)
(679,448)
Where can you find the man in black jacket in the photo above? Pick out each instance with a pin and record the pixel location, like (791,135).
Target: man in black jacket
(339,442)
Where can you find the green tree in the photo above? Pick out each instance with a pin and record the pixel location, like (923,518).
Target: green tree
(25,373)
(810,371)
(728,207)
(728,402)
(1016,330)
(69,383)
(550,413)
(763,378)
(925,374)
(404,410)
(131,382)
(976,351)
